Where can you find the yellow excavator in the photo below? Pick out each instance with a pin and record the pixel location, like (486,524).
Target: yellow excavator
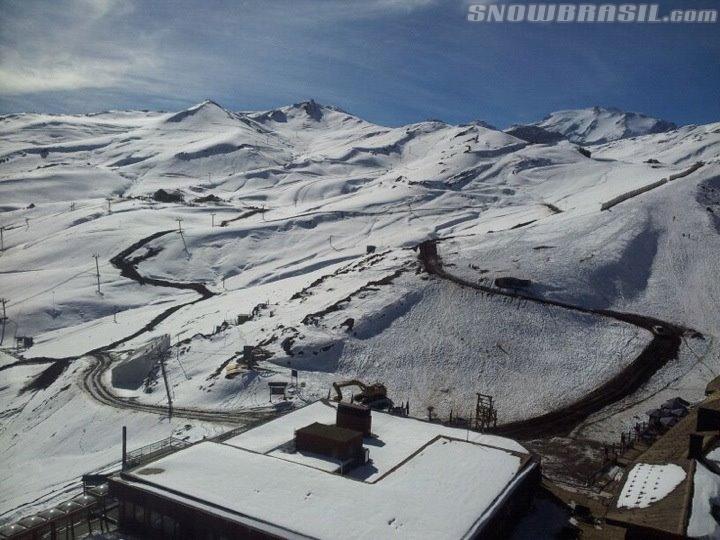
(372,395)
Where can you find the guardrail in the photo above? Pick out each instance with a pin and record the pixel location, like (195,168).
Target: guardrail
(230,434)
(154,451)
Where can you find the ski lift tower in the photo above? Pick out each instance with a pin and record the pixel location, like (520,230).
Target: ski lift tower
(485,413)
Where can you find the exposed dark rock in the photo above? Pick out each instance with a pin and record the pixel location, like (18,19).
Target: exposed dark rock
(168,196)
(534,134)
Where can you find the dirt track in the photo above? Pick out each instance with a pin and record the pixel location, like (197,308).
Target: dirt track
(92,378)
(93,385)
(667,338)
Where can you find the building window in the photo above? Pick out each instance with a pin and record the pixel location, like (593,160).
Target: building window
(156,520)
(128,511)
(139,516)
(169,527)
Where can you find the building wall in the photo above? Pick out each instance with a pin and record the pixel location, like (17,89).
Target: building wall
(310,442)
(151,516)
(517,504)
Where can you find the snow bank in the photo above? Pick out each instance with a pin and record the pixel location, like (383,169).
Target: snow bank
(646,484)
(706,497)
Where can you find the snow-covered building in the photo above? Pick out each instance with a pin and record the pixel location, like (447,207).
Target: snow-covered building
(413,479)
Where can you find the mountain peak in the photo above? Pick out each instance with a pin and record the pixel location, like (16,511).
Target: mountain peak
(311,108)
(596,125)
(206,108)
(304,109)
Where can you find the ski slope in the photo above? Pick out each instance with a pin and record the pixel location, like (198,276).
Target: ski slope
(293,230)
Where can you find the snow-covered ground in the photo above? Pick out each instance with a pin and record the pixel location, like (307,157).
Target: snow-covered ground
(598,125)
(49,439)
(297,232)
(706,490)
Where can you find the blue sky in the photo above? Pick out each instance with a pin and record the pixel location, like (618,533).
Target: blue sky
(388,61)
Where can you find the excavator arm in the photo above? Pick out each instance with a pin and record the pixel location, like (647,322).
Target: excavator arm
(342,384)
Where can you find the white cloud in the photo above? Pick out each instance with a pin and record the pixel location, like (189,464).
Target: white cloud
(171,50)
(97,9)
(19,80)
(405,5)
(69,46)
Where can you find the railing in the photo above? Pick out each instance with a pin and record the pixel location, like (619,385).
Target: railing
(154,451)
(230,434)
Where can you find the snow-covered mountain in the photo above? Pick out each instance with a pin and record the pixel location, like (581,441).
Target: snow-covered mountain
(294,230)
(599,125)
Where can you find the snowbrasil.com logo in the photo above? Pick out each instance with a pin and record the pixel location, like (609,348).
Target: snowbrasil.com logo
(586,13)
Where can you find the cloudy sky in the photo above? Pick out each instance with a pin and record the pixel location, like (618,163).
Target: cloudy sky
(389,61)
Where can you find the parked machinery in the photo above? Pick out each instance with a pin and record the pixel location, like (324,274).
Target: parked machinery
(251,355)
(372,395)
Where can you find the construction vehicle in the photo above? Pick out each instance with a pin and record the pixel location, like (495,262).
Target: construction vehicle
(233,369)
(246,361)
(372,395)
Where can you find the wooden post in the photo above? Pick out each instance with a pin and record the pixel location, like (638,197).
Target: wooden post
(89,520)
(104,519)
(167,386)
(97,271)
(3,319)
(124,448)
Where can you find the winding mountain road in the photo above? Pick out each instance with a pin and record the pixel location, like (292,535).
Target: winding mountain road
(92,378)
(92,383)
(664,346)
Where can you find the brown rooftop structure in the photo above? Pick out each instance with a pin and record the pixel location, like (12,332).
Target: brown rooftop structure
(669,516)
(332,441)
(353,416)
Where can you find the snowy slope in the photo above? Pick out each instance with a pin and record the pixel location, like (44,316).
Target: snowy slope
(598,125)
(266,244)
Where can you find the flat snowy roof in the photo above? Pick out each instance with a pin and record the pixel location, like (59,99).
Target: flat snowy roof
(424,480)
(395,438)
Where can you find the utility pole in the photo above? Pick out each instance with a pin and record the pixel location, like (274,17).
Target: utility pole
(124,448)
(2,239)
(3,319)
(179,220)
(27,223)
(109,200)
(97,271)
(167,386)
(213,219)
(187,377)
